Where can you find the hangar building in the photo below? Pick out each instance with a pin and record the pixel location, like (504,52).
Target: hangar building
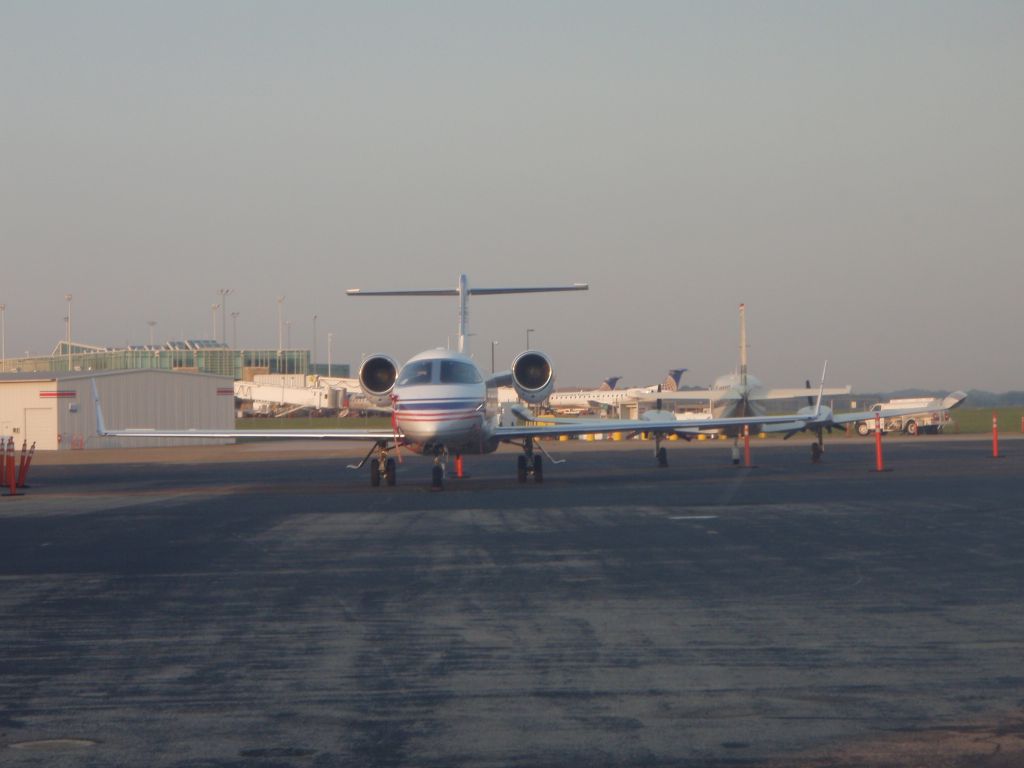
(56,410)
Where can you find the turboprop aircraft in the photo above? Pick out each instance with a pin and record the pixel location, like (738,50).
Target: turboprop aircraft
(740,393)
(442,404)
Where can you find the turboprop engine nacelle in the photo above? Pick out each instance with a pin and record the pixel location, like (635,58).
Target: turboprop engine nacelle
(377,377)
(532,376)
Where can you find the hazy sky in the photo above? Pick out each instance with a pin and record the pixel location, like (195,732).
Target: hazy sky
(853,172)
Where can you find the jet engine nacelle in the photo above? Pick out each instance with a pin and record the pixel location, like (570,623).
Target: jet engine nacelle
(532,376)
(377,377)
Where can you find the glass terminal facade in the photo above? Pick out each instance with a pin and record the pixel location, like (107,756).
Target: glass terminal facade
(200,355)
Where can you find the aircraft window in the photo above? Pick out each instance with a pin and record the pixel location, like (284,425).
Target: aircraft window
(420,372)
(457,372)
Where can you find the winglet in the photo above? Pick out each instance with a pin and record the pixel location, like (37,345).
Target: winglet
(101,428)
(954,399)
(821,391)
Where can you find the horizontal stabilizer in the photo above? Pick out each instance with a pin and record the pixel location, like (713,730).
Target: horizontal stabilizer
(785,394)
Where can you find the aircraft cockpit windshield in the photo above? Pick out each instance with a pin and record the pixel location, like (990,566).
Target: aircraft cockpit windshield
(419,372)
(438,371)
(458,372)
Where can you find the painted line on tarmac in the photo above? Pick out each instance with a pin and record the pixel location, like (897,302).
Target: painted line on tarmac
(694,517)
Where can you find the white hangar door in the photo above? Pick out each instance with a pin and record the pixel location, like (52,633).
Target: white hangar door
(41,428)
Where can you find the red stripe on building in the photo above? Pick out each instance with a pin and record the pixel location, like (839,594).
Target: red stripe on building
(59,393)
(225,391)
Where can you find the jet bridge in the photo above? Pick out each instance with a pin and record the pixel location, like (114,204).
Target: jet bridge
(285,394)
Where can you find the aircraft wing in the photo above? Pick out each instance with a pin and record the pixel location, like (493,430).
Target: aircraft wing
(664,423)
(687,395)
(949,402)
(366,435)
(787,394)
(771,394)
(828,419)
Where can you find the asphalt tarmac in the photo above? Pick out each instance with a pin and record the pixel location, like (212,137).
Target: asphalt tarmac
(260,605)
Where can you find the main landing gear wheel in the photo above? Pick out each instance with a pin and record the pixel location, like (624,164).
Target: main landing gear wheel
(437,477)
(662,456)
(375,473)
(390,472)
(815,453)
(529,463)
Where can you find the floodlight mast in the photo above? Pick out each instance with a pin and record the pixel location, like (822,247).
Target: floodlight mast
(463,291)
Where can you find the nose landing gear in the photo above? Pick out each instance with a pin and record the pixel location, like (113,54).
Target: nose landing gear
(437,472)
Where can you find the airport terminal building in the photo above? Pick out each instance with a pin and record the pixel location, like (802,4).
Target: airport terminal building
(202,355)
(56,410)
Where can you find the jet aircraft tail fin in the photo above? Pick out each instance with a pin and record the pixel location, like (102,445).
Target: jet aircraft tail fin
(101,427)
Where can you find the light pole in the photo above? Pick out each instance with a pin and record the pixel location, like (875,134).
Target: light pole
(213,320)
(151,324)
(224,314)
(314,342)
(67,298)
(3,337)
(330,343)
(528,332)
(280,325)
(280,331)
(289,366)
(493,345)
(234,330)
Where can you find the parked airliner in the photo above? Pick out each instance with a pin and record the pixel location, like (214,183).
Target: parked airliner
(605,398)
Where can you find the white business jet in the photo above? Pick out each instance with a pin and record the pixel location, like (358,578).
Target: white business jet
(443,405)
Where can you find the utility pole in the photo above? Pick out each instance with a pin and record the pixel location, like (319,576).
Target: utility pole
(234,330)
(330,343)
